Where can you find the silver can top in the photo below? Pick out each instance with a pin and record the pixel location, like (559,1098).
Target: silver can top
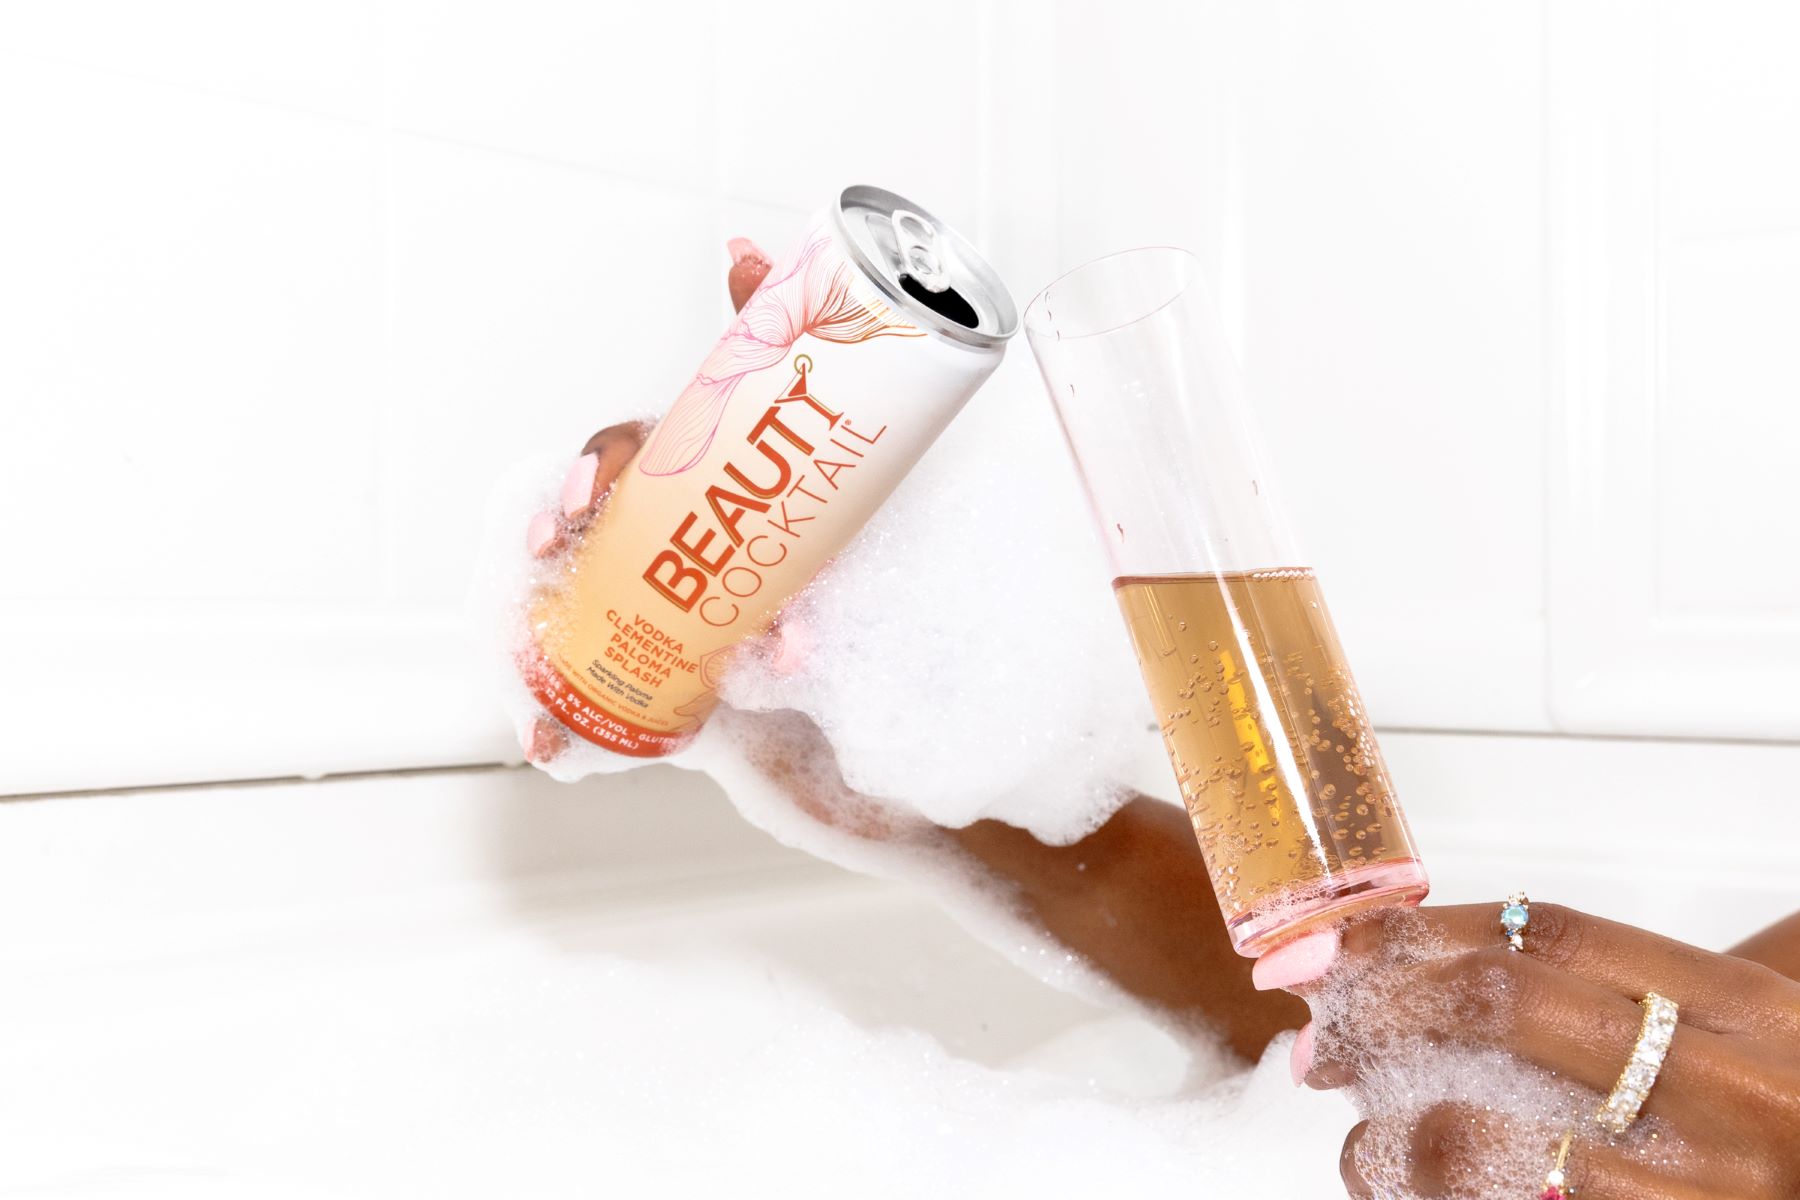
(925,267)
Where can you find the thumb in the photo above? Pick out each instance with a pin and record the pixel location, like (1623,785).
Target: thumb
(749,265)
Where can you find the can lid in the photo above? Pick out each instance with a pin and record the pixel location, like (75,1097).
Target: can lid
(925,267)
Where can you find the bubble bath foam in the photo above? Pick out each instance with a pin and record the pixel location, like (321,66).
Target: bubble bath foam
(841,370)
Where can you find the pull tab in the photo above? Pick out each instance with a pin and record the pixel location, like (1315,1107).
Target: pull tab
(916,242)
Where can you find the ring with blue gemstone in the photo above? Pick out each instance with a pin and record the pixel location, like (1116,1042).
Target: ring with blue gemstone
(1515,915)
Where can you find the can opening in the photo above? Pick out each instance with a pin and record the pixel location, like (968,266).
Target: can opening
(947,303)
(920,265)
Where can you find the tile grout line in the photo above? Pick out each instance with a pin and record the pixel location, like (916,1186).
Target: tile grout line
(490,765)
(264,781)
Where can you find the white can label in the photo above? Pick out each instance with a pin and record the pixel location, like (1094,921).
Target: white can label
(803,419)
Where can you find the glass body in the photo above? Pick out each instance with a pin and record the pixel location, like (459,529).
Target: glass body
(1272,749)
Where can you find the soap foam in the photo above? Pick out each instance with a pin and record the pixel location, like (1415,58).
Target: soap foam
(1501,1118)
(963,660)
(522,1070)
(963,657)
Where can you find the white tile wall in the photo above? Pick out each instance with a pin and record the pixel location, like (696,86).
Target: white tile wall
(632,90)
(320,56)
(1732,107)
(283,287)
(1394,325)
(521,290)
(1728,426)
(193,308)
(815,92)
(1674,592)
(1728,410)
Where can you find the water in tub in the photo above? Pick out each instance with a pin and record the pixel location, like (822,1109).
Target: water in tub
(963,660)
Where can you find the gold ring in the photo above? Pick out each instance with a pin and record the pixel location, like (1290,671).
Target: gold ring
(1639,1076)
(1556,1183)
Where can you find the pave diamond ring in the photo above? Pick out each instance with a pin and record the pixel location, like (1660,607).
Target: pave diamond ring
(1515,914)
(1639,1076)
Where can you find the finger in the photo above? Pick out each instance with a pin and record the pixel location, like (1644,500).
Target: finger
(749,266)
(790,645)
(590,478)
(1586,1033)
(1715,991)
(578,489)
(587,482)
(607,452)
(1348,1168)
(543,740)
(1452,1148)
(602,458)
(1777,947)
(543,536)
(1606,1175)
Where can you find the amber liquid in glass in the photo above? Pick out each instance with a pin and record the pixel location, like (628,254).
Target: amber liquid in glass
(1274,754)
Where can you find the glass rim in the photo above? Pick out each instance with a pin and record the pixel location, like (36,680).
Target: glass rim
(1036,311)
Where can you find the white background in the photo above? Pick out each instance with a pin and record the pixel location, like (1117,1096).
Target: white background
(283,287)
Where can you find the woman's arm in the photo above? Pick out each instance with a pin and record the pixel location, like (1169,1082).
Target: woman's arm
(1422,1010)
(1777,947)
(1133,898)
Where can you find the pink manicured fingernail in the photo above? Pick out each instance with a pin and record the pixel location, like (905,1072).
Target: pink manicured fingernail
(543,741)
(540,533)
(742,248)
(791,645)
(578,486)
(1300,961)
(1300,1061)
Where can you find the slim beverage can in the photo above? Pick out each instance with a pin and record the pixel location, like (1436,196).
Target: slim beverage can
(834,379)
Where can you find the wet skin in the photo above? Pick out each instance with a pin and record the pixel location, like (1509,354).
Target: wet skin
(1134,899)
(1729,1087)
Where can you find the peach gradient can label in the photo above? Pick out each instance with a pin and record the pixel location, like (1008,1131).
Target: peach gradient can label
(840,371)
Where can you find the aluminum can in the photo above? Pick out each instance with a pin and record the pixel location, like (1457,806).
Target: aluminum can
(833,380)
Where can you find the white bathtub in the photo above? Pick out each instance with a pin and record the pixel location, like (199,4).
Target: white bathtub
(479,983)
